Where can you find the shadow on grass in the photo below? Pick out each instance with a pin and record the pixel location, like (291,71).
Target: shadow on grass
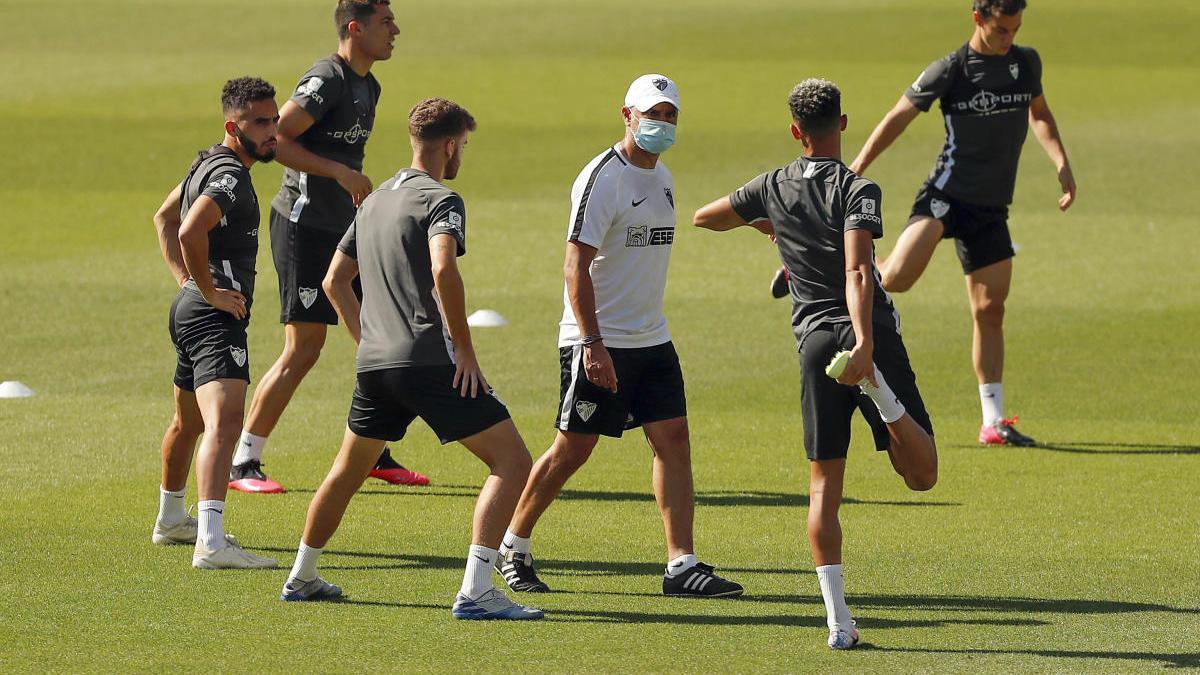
(1085,448)
(1167,660)
(549,566)
(687,618)
(1088,448)
(712,498)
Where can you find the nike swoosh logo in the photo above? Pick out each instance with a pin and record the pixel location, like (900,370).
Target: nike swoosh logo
(638,202)
(479,557)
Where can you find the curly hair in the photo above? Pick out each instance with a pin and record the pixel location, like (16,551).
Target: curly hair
(353,10)
(240,92)
(988,8)
(816,105)
(436,118)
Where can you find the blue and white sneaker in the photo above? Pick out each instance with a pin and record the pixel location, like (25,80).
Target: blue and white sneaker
(841,639)
(317,589)
(492,605)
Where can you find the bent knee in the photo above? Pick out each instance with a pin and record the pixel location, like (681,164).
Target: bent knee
(921,482)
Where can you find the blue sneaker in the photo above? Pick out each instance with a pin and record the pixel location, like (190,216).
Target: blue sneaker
(317,589)
(842,639)
(492,605)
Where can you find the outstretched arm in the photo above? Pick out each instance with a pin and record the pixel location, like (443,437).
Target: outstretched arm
(719,216)
(1046,131)
(888,130)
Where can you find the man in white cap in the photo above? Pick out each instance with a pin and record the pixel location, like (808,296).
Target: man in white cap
(619,367)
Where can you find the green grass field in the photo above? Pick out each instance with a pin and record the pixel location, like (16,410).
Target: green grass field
(1078,556)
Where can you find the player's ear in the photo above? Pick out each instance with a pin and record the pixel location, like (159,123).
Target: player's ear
(627,113)
(844,121)
(795,129)
(231,127)
(978,18)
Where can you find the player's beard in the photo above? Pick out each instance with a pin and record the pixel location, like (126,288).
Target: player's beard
(252,148)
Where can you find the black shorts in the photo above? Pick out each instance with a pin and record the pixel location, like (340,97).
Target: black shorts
(980,233)
(828,406)
(649,389)
(387,401)
(209,344)
(302,256)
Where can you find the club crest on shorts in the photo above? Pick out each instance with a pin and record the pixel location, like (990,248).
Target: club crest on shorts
(585,410)
(239,355)
(308,296)
(1014,69)
(939,207)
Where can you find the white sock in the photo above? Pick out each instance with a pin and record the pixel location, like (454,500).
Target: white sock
(683,562)
(512,542)
(991,399)
(171,507)
(249,447)
(211,531)
(833,590)
(305,567)
(890,407)
(477,580)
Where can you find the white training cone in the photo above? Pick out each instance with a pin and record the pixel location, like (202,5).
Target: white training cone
(486,318)
(14,389)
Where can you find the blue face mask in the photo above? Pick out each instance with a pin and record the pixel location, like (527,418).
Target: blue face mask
(654,136)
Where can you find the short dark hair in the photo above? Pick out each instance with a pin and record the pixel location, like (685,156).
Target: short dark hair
(997,7)
(353,10)
(816,106)
(240,92)
(436,118)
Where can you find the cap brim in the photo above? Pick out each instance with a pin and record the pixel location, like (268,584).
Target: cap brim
(655,100)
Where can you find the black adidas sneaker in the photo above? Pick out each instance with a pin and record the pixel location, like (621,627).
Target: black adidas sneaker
(517,570)
(699,581)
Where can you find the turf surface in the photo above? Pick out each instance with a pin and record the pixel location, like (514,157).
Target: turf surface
(1079,555)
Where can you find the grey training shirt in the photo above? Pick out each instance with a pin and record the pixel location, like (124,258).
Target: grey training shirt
(985,103)
(343,105)
(401,316)
(219,174)
(812,202)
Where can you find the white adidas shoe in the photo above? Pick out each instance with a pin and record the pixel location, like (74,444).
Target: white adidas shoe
(183,532)
(840,638)
(229,556)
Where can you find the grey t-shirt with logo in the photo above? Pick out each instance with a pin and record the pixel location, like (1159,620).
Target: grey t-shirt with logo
(343,105)
(401,316)
(812,203)
(219,174)
(985,103)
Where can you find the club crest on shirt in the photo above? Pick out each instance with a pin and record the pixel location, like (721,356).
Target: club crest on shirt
(939,207)
(670,196)
(239,355)
(310,87)
(1014,69)
(308,296)
(585,410)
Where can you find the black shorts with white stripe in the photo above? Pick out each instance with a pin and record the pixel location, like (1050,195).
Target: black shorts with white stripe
(649,389)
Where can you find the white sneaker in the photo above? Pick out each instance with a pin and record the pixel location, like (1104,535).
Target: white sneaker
(843,639)
(229,556)
(183,532)
(492,605)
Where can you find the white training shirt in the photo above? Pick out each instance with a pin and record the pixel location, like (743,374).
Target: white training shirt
(628,214)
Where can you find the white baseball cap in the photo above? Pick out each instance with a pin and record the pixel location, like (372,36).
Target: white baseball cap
(649,90)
